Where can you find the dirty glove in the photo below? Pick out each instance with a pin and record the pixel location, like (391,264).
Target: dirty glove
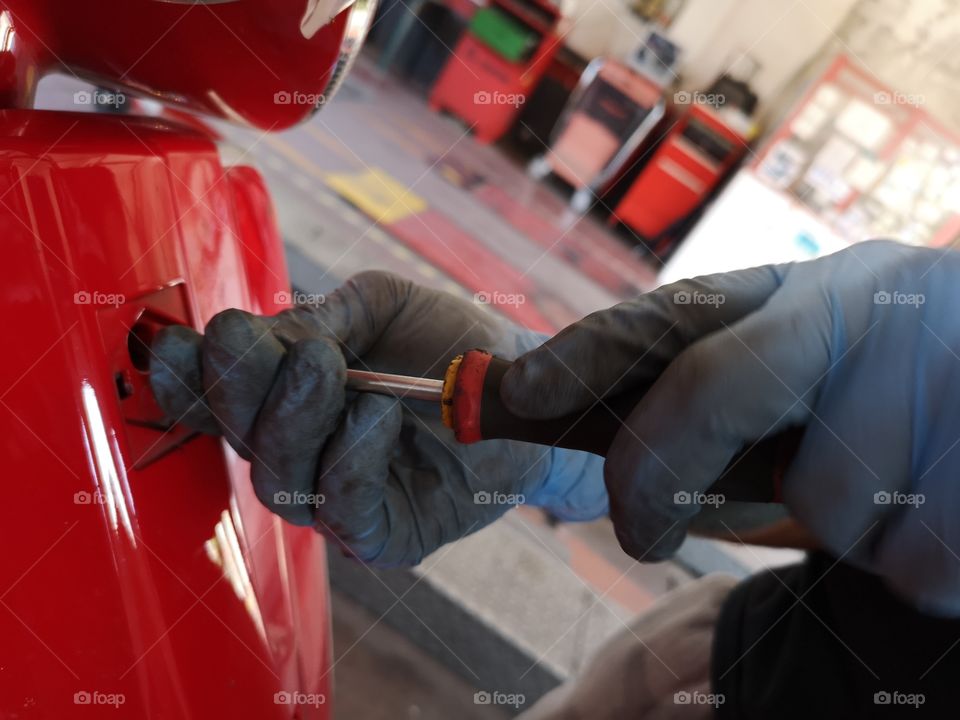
(862,347)
(381,475)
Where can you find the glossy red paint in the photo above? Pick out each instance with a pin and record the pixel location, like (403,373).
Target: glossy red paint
(142,578)
(139,565)
(259,62)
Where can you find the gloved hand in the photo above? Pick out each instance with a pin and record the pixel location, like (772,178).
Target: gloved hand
(862,347)
(381,475)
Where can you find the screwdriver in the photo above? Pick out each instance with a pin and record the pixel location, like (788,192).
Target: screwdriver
(470,404)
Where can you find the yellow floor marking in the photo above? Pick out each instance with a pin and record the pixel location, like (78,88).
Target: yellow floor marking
(377,194)
(373,191)
(452,176)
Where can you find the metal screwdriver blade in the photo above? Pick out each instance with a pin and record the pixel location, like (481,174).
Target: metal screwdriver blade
(401,386)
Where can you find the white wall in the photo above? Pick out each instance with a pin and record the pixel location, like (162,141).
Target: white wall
(911,45)
(595,28)
(781,34)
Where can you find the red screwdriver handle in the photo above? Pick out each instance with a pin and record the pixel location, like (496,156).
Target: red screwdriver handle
(754,475)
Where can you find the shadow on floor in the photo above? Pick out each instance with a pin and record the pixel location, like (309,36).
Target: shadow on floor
(381,675)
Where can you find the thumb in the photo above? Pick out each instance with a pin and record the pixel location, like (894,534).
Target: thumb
(745,382)
(630,344)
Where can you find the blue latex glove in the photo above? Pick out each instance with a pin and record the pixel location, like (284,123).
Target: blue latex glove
(380,475)
(862,347)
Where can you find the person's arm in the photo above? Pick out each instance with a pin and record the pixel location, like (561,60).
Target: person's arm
(862,348)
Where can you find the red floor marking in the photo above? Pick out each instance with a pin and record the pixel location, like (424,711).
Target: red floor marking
(607,579)
(444,244)
(600,257)
(585,558)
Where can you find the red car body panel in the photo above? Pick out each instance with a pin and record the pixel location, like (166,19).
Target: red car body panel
(139,562)
(141,577)
(246,61)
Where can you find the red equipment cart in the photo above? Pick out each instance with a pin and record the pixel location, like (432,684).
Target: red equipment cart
(497,63)
(703,146)
(613,109)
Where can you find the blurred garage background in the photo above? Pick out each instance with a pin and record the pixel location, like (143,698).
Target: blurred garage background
(548,160)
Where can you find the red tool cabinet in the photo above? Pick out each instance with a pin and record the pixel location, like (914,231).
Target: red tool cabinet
(691,160)
(486,89)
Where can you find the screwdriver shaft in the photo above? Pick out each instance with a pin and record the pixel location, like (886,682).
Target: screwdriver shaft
(400,386)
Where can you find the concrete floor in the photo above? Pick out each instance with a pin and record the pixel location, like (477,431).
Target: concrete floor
(376,180)
(381,675)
